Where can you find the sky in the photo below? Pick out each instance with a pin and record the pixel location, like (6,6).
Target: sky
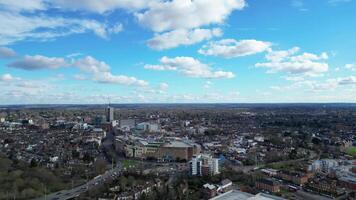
(177,51)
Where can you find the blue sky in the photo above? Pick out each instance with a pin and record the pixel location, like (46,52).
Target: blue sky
(177,51)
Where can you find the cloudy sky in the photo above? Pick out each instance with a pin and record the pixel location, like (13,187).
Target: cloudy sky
(177,51)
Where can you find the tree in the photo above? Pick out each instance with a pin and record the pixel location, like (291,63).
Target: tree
(33,163)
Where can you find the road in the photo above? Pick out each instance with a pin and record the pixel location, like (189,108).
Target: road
(107,176)
(75,192)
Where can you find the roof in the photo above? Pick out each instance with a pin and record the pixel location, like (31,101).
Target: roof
(177,144)
(225,182)
(209,186)
(239,195)
(233,195)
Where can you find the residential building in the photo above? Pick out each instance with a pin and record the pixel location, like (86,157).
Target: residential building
(204,165)
(268,185)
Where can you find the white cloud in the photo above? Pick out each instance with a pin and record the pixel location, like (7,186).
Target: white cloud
(6,52)
(101,6)
(91,65)
(102,74)
(163,86)
(79,77)
(16,27)
(208,84)
(28,5)
(230,48)
(336,2)
(6,77)
(351,67)
(186,14)
(189,67)
(351,80)
(179,37)
(160,67)
(38,62)
(108,78)
(288,61)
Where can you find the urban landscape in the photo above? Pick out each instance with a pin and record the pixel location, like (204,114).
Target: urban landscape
(202,151)
(177,100)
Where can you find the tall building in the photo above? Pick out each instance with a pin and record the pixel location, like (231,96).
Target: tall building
(109,112)
(204,165)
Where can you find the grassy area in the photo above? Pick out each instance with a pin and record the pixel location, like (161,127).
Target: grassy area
(351,151)
(129,163)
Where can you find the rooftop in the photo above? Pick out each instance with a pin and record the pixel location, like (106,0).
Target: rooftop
(239,195)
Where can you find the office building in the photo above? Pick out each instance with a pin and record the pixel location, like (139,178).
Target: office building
(109,112)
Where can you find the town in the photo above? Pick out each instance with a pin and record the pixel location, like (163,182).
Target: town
(192,151)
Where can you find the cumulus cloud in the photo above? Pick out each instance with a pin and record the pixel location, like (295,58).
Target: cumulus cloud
(38,62)
(108,78)
(179,37)
(189,67)
(6,53)
(186,14)
(91,65)
(351,80)
(99,70)
(351,67)
(101,73)
(6,77)
(287,61)
(230,48)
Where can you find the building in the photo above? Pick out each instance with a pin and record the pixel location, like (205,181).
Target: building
(109,113)
(324,165)
(239,195)
(270,172)
(324,186)
(204,165)
(298,178)
(209,191)
(268,185)
(167,149)
(225,186)
(149,127)
(127,124)
(348,182)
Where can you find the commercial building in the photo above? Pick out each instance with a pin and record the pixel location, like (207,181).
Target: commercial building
(166,149)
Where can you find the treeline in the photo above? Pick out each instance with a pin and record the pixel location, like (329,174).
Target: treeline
(21,180)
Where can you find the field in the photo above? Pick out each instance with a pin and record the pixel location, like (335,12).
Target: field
(128,163)
(351,151)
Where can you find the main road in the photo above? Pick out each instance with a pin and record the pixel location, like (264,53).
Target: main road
(107,176)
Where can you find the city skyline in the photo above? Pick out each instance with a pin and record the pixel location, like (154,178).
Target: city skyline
(180,51)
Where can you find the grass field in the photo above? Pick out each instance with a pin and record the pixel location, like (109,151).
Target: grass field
(351,151)
(129,163)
